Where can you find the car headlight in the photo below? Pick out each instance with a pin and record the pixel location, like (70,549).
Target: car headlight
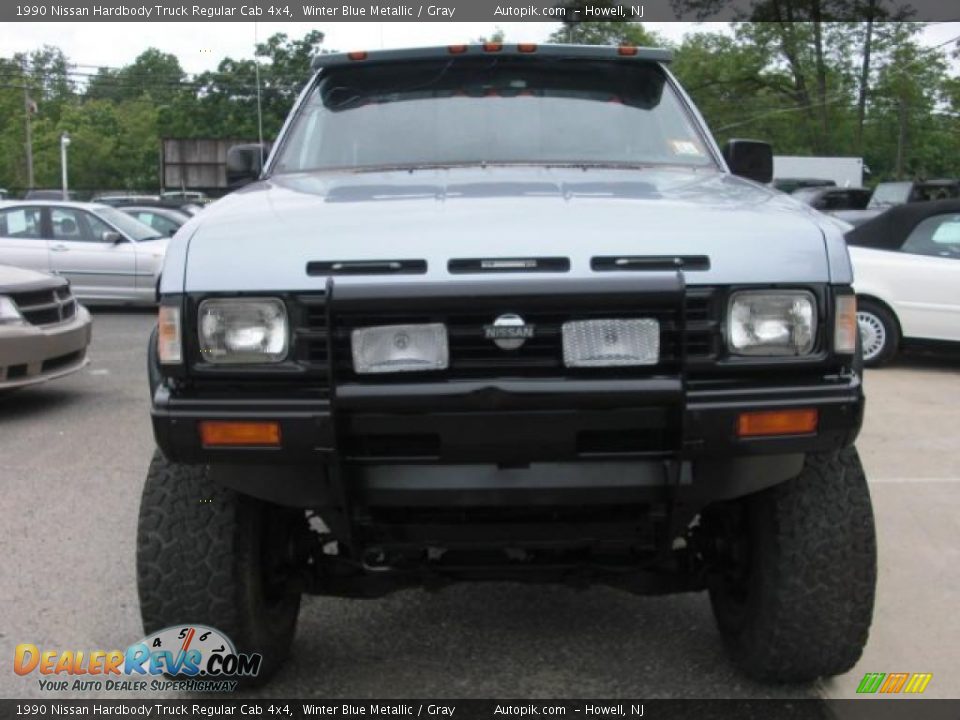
(9,314)
(775,322)
(611,343)
(400,348)
(243,330)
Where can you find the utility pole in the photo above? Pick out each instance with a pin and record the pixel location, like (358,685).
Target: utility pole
(26,109)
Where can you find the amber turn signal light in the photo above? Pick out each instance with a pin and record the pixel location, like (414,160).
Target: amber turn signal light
(770,423)
(218,433)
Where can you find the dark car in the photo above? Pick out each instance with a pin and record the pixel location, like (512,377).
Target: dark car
(789,185)
(888,194)
(509,312)
(164,220)
(831,199)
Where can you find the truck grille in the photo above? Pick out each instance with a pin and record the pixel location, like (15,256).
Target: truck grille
(46,307)
(473,355)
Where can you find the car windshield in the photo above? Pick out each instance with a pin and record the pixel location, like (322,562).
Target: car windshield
(482,110)
(132,228)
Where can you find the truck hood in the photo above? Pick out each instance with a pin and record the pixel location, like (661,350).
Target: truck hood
(262,237)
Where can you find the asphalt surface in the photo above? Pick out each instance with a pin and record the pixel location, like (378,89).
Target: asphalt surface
(73,455)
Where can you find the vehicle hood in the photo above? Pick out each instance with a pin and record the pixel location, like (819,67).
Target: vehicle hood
(262,237)
(14,279)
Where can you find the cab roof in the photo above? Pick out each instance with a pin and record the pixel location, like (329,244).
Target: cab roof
(581,52)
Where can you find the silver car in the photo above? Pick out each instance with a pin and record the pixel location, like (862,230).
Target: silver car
(44,331)
(108,256)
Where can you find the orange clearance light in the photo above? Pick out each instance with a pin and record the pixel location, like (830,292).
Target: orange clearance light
(777,422)
(492,46)
(222,433)
(628,50)
(357,55)
(456,49)
(527,47)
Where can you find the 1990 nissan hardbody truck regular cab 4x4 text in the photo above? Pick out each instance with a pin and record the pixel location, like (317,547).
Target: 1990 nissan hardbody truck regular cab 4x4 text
(505,312)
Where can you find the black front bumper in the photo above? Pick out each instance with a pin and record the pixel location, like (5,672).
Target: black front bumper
(648,434)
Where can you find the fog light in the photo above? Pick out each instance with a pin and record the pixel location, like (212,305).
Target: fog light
(611,343)
(400,348)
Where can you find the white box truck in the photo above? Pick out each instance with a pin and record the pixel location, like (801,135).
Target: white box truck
(844,171)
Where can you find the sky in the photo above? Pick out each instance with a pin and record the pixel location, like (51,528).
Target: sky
(200,46)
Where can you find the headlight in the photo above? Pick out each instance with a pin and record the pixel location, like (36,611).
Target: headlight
(400,348)
(770,323)
(611,343)
(243,330)
(9,314)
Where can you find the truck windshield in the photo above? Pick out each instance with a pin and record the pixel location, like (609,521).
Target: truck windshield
(500,110)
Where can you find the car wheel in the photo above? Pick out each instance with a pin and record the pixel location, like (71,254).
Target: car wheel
(879,333)
(794,572)
(209,555)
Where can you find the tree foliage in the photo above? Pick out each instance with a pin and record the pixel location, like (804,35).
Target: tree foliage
(799,82)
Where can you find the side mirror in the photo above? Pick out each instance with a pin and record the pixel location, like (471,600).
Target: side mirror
(245,163)
(112,237)
(751,159)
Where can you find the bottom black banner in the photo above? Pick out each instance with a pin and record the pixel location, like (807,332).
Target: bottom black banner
(811,709)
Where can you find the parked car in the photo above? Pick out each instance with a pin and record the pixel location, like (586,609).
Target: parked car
(123,201)
(789,185)
(831,199)
(123,198)
(50,194)
(108,256)
(907,277)
(858,217)
(44,331)
(889,194)
(511,346)
(165,221)
(185,196)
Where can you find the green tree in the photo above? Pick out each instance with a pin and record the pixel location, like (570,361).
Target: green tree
(154,72)
(606,33)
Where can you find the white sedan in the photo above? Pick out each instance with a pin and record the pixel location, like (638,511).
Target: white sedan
(108,256)
(906,266)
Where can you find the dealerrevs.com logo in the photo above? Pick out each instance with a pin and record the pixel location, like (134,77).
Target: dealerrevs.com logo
(186,657)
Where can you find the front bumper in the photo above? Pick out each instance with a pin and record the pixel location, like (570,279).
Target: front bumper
(31,354)
(515,441)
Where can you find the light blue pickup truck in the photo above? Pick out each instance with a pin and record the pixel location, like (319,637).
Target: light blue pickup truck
(508,312)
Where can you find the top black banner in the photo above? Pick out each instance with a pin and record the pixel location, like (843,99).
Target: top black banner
(569,11)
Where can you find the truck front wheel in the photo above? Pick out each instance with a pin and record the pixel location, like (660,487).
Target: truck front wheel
(794,572)
(208,555)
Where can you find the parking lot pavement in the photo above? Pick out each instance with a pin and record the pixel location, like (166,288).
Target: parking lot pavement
(72,459)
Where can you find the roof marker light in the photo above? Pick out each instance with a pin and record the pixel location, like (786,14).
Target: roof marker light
(357,55)
(456,49)
(492,47)
(527,47)
(628,50)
